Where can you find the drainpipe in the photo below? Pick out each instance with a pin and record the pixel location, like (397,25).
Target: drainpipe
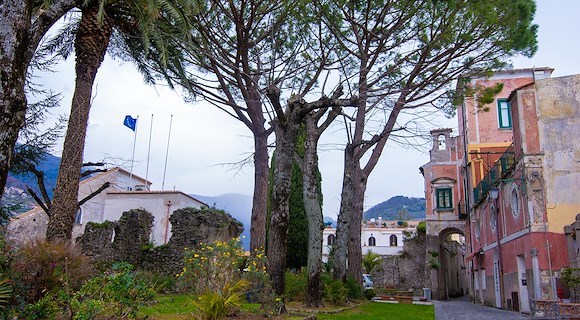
(167,221)
(494,194)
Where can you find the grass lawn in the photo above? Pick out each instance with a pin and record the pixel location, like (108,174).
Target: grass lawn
(178,306)
(376,310)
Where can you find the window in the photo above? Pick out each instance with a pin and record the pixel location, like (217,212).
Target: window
(504,114)
(330,240)
(441,142)
(492,218)
(372,241)
(79,216)
(393,240)
(515,203)
(444,198)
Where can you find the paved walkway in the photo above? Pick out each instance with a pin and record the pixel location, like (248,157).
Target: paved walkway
(463,309)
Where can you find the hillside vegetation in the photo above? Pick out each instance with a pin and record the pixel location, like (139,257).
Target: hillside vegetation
(389,209)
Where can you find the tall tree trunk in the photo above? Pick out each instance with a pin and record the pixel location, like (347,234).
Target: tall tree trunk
(286,133)
(354,239)
(344,216)
(21,29)
(313,208)
(91,44)
(260,198)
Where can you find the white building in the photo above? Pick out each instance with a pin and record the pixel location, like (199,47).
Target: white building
(381,237)
(126,191)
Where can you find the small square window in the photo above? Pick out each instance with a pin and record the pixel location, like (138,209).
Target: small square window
(504,114)
(444,198)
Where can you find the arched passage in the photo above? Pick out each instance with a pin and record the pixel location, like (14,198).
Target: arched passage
(452,274)
(445,258)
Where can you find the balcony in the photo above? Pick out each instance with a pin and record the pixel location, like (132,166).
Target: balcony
(499,170)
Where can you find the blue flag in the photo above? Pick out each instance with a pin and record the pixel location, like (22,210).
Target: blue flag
(130,122)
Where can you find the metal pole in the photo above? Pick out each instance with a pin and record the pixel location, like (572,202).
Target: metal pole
(166,153)
(148,153)
(134,144)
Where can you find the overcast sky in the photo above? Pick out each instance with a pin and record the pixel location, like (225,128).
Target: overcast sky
(204,139)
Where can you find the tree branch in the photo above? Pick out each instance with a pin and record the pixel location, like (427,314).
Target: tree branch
(93,194)
(38,201)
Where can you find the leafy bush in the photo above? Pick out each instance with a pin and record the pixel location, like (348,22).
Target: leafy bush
(216,305)
(422,228)
(296,285)
(217,265)
(161,283)
(354,289)
(41,268)
(117,294)
(44,308)
(368,294)
(335,292)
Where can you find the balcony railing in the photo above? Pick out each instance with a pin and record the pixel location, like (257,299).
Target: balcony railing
(500,168)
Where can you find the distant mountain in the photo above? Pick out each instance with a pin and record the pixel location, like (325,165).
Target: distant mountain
(49,166)
(238,206)
(389,209)
(15,190)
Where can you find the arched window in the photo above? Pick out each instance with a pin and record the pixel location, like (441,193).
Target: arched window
(330,240)
(372,241)
(393,240)
(79,216)
(441,142)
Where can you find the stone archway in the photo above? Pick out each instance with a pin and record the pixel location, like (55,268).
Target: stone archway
(445,258)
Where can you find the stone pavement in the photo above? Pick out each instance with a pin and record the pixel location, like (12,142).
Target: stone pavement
(463,309)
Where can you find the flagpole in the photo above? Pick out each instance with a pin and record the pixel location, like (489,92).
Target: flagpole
(134,143)
(148,153)
(167,153)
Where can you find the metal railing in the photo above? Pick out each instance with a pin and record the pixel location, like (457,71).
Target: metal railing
(500,168)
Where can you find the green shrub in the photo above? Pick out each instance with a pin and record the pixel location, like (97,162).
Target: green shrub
(117,294)
(44,308)
(354,289)
(217,305)
(214,266)
(335,292)
(296,285)
(368,294)
(161,283)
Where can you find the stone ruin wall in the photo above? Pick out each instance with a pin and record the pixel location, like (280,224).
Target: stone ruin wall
(405,271)
(128,239)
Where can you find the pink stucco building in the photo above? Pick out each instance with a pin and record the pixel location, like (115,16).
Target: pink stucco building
(511,170)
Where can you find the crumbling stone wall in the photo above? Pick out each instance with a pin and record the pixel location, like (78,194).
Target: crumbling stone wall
(132,234)
(190,228)
(406,271)
(96,242)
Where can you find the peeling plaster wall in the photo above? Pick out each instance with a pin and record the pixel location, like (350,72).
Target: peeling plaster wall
(558,108)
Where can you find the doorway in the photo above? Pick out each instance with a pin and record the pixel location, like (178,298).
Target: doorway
(523,284)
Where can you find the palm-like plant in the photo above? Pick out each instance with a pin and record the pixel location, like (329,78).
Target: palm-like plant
(371,261)
(5,292)
(137,28)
